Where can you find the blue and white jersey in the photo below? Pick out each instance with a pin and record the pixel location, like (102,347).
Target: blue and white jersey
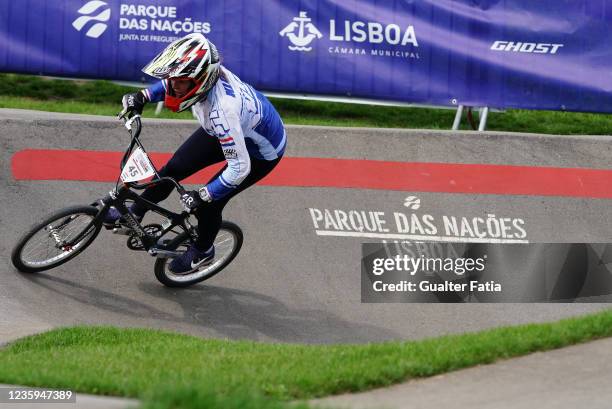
(245,123)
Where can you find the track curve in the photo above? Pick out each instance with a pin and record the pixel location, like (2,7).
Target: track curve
(291,283)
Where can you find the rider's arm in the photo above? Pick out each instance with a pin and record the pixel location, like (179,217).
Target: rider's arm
(230,135)
(156,92)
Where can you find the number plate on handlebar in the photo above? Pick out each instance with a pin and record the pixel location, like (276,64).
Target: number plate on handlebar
(137,167)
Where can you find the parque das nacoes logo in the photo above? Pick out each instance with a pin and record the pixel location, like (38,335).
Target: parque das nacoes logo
(94,11)
(134,21)
(301,32)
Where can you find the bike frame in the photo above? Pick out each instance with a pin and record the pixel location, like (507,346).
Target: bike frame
(123,192)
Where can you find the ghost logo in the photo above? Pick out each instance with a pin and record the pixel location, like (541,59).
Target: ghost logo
(103,15)
(301,32)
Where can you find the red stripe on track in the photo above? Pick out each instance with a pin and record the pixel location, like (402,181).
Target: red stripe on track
(99,166)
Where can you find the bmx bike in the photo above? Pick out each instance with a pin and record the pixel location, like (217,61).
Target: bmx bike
(64,234)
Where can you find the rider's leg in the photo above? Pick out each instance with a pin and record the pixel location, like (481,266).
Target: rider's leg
(209,214)
(209,221)
(197,152)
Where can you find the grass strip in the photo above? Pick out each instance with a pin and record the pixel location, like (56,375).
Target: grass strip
(104,98)
(176,370)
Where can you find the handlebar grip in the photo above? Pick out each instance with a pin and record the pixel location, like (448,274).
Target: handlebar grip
(135,130)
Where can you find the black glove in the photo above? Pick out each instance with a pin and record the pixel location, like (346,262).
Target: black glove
(191,200)
(133,104)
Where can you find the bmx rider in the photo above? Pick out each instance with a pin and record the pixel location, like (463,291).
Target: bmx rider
(238,125)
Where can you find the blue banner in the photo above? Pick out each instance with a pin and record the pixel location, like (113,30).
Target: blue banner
(504,54)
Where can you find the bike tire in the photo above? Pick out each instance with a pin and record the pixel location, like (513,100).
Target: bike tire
(68,216)
(170,279)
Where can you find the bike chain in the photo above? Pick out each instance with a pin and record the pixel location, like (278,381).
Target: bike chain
(134,242)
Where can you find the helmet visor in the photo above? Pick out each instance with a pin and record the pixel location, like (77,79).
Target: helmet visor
(181,87)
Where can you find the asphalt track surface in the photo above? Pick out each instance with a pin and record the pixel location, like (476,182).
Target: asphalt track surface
(294,280)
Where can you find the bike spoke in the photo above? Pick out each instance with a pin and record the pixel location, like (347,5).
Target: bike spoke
(43,248)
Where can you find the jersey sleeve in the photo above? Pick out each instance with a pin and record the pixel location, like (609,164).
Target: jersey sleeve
(229,132)
(156,92)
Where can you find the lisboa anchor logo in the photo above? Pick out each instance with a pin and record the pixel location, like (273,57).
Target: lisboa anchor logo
(87,10)
(301,32)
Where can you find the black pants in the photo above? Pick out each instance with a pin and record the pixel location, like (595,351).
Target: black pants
(197,152)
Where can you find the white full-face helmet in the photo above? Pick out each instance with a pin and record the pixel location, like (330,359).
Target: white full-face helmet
(192,58)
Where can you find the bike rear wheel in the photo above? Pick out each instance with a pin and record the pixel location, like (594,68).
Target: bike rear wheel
(227,245)
(44,246)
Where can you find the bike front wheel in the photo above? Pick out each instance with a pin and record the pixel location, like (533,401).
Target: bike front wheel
(45,246)
(227,245)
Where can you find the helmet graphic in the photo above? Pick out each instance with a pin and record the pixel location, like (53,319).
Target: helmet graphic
(189,67)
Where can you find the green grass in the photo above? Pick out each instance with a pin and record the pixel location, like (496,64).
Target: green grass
(103,98)
(179,371)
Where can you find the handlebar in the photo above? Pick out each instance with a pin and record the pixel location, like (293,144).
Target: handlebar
(135,133)
(134,126)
